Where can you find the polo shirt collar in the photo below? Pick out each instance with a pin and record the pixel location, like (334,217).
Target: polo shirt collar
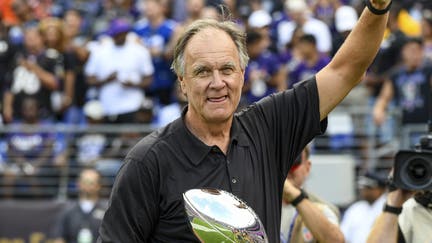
(195,149)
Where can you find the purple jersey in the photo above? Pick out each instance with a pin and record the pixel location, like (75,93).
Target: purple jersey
(303,71)
(269,65)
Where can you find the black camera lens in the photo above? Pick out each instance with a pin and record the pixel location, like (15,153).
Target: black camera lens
(417,170)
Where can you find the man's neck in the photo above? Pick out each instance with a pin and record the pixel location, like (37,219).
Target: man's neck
(210,133)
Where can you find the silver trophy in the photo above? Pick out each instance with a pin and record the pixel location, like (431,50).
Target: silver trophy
(219,216)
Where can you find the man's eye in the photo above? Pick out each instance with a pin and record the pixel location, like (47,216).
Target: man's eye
(203,73)
(227,71)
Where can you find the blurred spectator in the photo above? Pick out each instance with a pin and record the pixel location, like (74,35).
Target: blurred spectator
(360,216)
(91,146)
(156,32)
(8,16)
(410,86)
(25,18)
(427,34)
(81,222)
(410,225)
(324,10)
(34,74)
(264,74)
(346,18)
(111,10)
(388,55)
(210,12)
(291,56)
(299,14)
(171,112)
(89,10)
(313,221)
(52,31)
(121,70)
(7,55)
(260,20)
(311,60)
(30,153)
(75,44)
(194,12)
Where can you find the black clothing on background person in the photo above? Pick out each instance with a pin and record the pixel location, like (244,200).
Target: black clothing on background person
(7,55)
(74,221)
(25,83)
(412,91)
(146,203)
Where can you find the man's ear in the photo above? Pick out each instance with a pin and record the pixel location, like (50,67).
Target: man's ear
(182,85)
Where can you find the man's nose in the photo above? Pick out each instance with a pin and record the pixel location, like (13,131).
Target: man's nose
(217,81)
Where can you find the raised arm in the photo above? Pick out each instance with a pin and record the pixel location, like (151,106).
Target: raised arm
(351,61)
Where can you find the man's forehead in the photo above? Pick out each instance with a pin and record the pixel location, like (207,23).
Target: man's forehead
(212,38)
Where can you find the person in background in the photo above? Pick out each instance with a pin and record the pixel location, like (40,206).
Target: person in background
(314,220)
(406,218)
(298,11)
(410,86)
(426,27)
(76,41)
(25,18)
(311,60)
(7,56)
(264,75)
(33,74)
(156,31)
(81,221)
(345,19)
(30,154)
(121,70)
(248,153)
(52,32)
(360,216)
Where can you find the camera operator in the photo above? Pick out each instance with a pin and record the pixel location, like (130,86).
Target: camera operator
(405,218)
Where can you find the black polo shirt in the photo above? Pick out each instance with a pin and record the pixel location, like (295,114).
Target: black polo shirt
(146,203)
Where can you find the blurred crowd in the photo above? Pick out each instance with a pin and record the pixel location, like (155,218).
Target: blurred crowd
(80,62)
(63,54)
(109,62)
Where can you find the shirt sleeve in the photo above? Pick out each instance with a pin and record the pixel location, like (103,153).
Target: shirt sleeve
(292,118)
(133,207)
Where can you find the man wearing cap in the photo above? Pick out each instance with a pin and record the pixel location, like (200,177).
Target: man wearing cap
(313,221)
(121,70)
(360,216)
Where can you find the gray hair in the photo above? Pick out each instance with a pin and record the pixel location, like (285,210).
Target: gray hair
(238,37)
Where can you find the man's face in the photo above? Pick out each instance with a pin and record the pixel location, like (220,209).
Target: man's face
(89,183)
(33,39)
(213,77)
(412,54)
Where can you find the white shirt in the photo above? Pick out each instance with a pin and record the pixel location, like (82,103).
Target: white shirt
(415,222)
(312,26)
(131,62)
(359,219)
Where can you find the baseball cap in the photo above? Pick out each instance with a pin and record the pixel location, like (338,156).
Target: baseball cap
(119,26)
(259,19)
(372,179)
(345,18)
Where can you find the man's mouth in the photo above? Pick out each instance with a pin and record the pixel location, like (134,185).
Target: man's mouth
(218,99)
